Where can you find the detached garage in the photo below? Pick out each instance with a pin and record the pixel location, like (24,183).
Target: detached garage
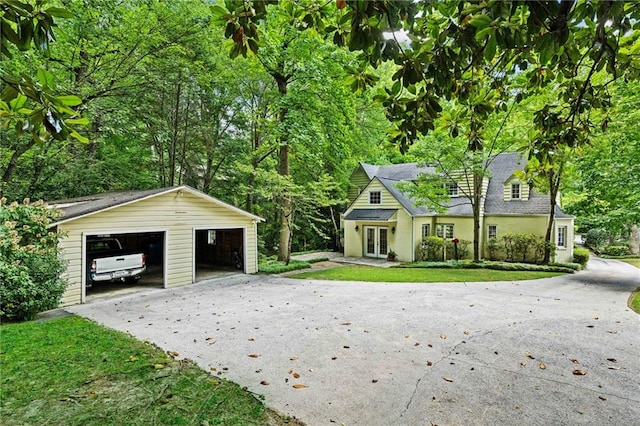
(181,232)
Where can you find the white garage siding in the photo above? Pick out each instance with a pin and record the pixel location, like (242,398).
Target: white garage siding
(177,213)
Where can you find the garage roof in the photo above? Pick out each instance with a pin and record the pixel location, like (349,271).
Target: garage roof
(75,208)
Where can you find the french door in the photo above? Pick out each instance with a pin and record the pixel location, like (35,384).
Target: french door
(376,241)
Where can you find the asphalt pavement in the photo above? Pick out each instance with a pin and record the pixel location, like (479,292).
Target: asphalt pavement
(559,351)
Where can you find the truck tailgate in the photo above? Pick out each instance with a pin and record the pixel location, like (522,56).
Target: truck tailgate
(119,263)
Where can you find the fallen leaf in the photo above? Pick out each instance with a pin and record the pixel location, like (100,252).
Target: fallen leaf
(296,375)
(447,379)
(417,344)
(374,381)
(299,386)
(159,366)
(523,364)
(345,323)
(264,383)
(251,339)
(253,355)
(466,333)
(612,359)
(602,398)
(346,347)
(213,342)
(406,336)
(293,358)
(614,368)
(174,353)
(213,369)
(443,336)
(542,366)
(590,326)
(579,372)
(429,363)
(528,355)
(575,361)
(334,358)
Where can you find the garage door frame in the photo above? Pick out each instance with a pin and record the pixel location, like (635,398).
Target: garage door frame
(93,233)
(213,227)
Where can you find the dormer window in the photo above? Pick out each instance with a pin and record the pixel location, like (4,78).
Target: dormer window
(452,189)
(515,191)
(375,197)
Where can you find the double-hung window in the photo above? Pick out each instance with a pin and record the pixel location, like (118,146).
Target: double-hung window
(515,191)
(444,230)
(426,230)
(492,231)
(452,189)
(562,236)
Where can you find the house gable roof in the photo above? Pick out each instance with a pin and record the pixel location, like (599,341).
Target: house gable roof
(75,208)
(502,168)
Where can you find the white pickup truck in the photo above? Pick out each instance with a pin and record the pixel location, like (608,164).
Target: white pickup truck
(108,262)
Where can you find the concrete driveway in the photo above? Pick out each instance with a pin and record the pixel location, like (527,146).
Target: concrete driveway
(554,351)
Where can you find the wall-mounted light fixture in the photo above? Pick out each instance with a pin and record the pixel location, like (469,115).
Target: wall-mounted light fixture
(393,230)
(357,228)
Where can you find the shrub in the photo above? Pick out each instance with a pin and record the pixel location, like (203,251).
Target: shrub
(616,250)
(493,248)
(30,266)
(581,256)
(596,237)
(430,248)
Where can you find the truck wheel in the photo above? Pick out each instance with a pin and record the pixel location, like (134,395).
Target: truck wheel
(131,280)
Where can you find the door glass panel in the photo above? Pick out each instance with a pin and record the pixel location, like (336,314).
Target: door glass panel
(371,240)
(383,241)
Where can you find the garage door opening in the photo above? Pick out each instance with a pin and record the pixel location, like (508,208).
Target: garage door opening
(150,244)
(219,252)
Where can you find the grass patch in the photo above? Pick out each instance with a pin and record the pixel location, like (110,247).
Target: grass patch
(274,266)
(408,274)
(74,372)
(271,265)
(634,301)
(632,261)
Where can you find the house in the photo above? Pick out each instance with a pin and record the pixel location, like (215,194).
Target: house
(179,229)
(381,218)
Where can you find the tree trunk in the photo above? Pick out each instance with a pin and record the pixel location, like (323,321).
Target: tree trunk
(284,248)
(554,186)
(174,136)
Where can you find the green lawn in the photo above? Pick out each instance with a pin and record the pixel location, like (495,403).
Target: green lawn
(635,262)
(372,273)
(73,372)
(634,303)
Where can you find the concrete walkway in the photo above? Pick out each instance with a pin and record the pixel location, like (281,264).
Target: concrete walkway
(340,258)
(558,351)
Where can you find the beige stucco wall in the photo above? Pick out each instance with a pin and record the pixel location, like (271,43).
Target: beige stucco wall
(177,215)
(532,225)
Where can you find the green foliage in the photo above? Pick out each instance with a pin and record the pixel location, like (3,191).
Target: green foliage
(581,256)
(31,104)
(524,248)
(432,249)
(596,238)
(493,248)
(615,250)
(30,266)
(496,265)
